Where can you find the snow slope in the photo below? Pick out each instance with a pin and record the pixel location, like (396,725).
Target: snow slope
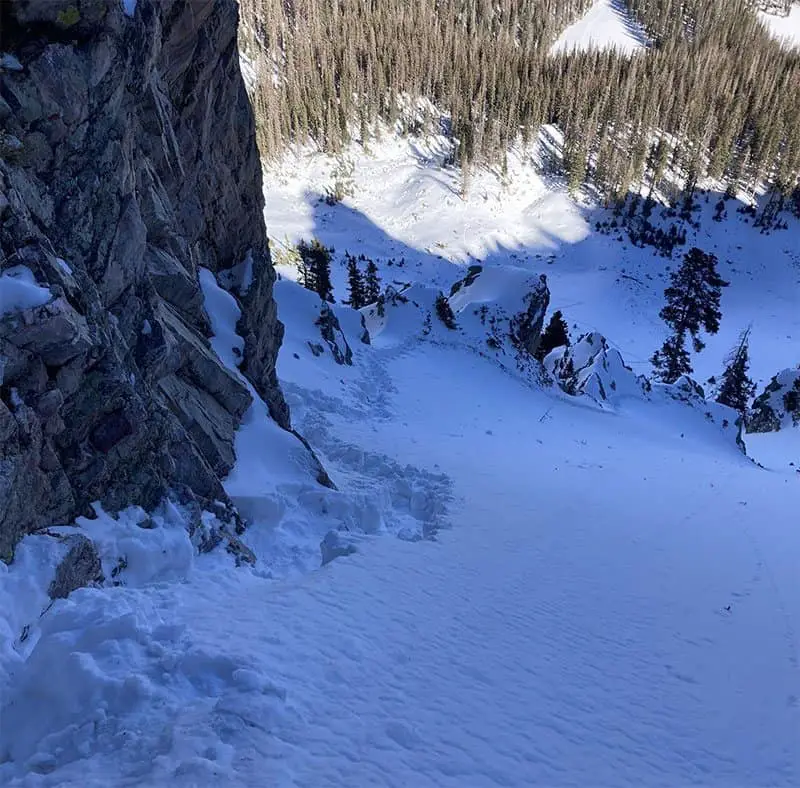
(577,594)
(406,207)
(784,28)
(572,626)
(606,25)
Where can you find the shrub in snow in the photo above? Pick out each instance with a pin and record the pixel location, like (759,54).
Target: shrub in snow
(355,281)
(778,405)
(334,336)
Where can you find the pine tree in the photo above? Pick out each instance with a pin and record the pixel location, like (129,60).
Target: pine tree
(372,287)
(555,335)
(315,273)
(445,312)
(693,304)
(356,283)
(672,360)
(737,387)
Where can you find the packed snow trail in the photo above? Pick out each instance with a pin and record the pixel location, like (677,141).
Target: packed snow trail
(615,604)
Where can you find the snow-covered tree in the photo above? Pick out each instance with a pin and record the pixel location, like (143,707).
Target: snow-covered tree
(555,335)
(693,305)
(737,387)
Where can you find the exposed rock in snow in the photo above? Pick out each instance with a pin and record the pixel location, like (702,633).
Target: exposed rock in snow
(526,326)
(778,406)
(80,567)
(591,367)
(333,335)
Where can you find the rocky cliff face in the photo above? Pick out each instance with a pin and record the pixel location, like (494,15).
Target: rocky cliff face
(127,161)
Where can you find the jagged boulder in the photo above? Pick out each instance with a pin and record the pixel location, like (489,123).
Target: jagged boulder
(593,368)
(80,567)
(333,335)
(778,406)
(526,326)
(129,161)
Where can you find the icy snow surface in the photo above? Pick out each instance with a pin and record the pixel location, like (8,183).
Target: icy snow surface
(580,595)
(784,28)
(606,25)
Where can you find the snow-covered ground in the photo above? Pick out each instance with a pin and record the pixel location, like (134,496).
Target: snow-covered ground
(579,594)
(606,25)
(404,205)
(785,28)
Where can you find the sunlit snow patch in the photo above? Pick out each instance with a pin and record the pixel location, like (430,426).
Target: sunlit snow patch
(785,29)
(606,25)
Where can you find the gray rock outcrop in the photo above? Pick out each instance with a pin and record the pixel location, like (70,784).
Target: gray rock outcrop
(778,406)
(127,161)
(526,327)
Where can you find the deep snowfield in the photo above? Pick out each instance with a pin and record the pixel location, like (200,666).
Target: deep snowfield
(543,591)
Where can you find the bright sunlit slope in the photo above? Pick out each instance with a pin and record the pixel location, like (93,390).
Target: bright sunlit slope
(606,25)
(785,28)
(405,210)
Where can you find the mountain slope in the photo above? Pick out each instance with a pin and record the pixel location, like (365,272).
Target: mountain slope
(571,625)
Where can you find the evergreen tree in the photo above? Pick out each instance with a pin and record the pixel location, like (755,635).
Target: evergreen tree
(555,335)
(356,283)
(693,304)
(372,286)
(672,360)
(693,297)
(737,387)
(445,312)
(315,273)
(326,70)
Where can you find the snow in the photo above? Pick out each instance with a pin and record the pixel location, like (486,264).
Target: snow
(606,25)
(785,29)
(404,205)
(9,62)
(64,266)
(19,290)
(539,589)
